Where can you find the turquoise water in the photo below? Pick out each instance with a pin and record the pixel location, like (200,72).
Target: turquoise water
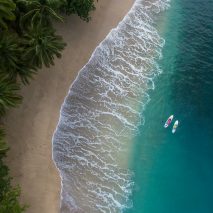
(103,168)
(174,173)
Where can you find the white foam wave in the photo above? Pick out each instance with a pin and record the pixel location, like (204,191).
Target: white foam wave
(102,112)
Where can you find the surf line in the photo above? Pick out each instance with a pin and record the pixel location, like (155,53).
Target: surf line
(102,112)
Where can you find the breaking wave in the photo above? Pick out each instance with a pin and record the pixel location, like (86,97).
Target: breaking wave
(102,112)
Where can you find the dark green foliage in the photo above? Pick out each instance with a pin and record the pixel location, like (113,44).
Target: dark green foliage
(38,12)
(25,49)
(80,7)
(10,202)
(4,179)
(41,45)
(9,51)
(8,195)
(3,146)
(13,63)
(6,12)
(25,71)
(8,95)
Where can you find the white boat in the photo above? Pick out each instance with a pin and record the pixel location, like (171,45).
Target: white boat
(169,121)
(175,126)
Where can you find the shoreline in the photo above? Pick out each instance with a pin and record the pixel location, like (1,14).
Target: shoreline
(70,122)
(30,127)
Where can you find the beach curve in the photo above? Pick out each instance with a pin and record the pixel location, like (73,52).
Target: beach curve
(100,115)
(30,135)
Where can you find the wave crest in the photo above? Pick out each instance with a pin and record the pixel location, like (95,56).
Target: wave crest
(102,112)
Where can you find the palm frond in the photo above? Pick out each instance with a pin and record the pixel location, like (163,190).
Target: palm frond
(41,45)
(9,51)
(39,12)
(12,64)
(7,8)
(8,95)
(3,146)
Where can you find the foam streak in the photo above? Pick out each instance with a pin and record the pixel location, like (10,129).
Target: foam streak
(102,111)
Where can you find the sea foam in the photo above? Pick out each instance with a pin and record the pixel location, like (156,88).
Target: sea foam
(102,112)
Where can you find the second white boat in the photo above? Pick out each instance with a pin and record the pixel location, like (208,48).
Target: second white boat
(175,126)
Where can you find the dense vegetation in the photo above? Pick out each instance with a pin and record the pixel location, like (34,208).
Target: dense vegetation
(28,42)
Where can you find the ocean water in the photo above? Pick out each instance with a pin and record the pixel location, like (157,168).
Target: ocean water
(103,111)
(174,173)
(110,147)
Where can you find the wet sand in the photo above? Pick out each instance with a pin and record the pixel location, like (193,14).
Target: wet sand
(30,127)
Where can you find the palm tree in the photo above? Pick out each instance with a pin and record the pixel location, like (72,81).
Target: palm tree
(41,45)
(6,12)
(8,95)
(12,63)
(39,12)
(80,7)
(3,146)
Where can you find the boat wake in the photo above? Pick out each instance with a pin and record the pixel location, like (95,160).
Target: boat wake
(102,112)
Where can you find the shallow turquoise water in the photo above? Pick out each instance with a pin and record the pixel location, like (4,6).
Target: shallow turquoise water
(174,173)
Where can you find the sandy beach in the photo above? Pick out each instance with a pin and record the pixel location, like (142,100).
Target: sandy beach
(30,127)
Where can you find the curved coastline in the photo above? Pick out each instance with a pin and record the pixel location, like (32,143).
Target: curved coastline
(30,127)
(102,114)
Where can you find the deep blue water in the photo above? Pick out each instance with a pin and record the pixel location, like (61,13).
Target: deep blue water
(174,173)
